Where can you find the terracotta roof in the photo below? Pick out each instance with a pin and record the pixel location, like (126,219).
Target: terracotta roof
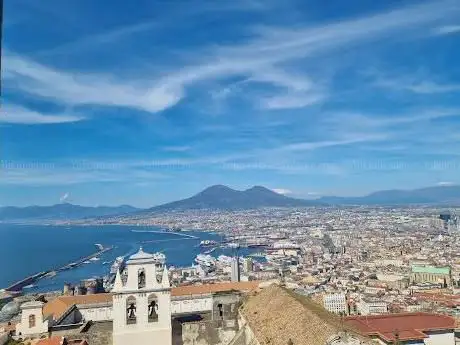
(409,326)
(58,306)
(60,341)
(51,341)
(276,315)
(213,288)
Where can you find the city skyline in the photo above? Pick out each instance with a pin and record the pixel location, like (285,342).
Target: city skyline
(158,103)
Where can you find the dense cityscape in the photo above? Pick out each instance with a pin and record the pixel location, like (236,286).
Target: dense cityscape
(353,262)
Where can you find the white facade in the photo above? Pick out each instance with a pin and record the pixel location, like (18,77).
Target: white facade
(32,322)
(191,305)
(142,304)
(96,312)
(371,307)
(440,338)
(335,303)
(235,270)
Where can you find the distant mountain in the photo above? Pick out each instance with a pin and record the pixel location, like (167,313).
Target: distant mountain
(224,198)
(429,195)
(60,212)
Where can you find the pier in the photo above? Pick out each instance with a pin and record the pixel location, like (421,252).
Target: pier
(168,233)
(86,258)
(18,286)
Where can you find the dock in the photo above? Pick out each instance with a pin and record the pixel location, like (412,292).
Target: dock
(18,286)
(86,258)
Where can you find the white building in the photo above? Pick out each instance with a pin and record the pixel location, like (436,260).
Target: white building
(371,307)
(32,319)
(336,303)
(142,304)
(235,269)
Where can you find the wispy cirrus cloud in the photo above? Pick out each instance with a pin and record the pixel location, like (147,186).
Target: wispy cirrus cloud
(270,49)
(447,30)
(16,114)
(415,85)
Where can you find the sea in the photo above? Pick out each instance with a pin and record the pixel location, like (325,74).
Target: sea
(29,249)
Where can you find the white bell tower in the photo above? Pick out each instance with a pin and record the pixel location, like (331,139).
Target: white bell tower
(142,304)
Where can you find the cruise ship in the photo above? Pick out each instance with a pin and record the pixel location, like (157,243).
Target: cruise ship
(205,260)
(117,265)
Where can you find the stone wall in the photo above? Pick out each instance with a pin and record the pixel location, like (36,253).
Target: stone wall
(212,332)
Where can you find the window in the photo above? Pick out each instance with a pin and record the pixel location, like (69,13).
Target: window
(153,308)
(31,321)
(131,315)
(141,278)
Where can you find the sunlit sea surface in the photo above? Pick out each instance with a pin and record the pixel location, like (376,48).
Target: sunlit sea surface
(28,249)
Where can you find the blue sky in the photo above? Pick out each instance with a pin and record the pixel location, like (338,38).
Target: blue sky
(143,102)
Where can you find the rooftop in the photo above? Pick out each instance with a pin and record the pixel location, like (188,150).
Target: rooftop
(430,269)
(58,306)
(214,288)
(409,326)
(141,255)
(276,315)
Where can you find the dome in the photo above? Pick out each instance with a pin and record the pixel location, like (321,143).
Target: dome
(141,255)
(9,310)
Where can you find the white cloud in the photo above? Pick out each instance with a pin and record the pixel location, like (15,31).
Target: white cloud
(19,115)
(291,101)
(423,87)
(64,197)
(71,173)
(86,89)
(350,139)
(448,29)
(446,183)
(282,191)
(182,148)
(263,58)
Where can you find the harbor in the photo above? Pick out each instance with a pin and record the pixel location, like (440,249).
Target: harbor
(18,286)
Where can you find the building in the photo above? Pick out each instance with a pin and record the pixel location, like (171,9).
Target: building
(336,303)
(368,306)
(248,265)
(33,322)
(235,269)
(142,304)
(277,316)
(431,274)
(410,328)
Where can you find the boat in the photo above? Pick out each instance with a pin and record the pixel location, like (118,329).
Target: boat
(210,251)
(94,259)
(207,243)
(205,260)
(117,265)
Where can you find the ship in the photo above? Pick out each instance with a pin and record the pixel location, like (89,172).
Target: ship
(208,243)
(205,260)
(117,265)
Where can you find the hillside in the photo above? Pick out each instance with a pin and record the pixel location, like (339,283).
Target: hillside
(63,211)
(224,198)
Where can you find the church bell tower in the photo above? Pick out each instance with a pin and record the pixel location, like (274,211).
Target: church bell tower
(142,304)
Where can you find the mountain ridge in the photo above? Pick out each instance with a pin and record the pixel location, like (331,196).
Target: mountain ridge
(425,195)
(221,197)
(224,197)
(65,211)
